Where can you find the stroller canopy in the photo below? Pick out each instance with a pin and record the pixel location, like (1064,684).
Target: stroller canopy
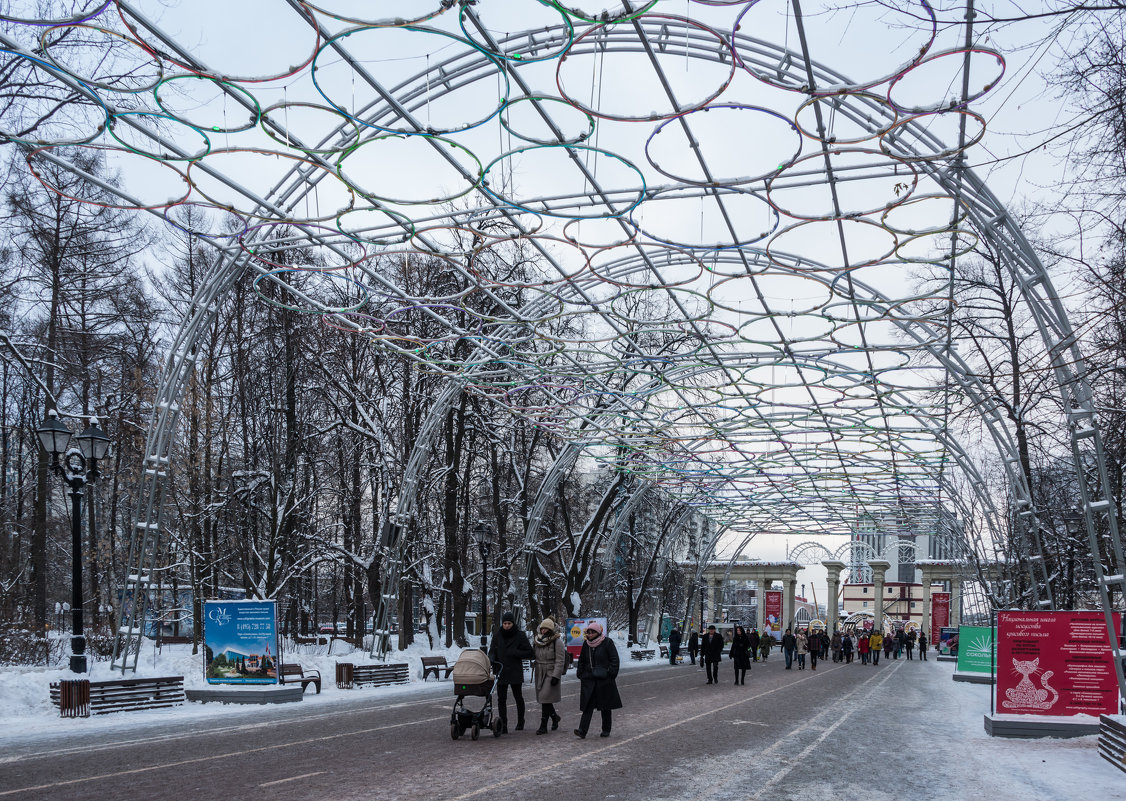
(472,667)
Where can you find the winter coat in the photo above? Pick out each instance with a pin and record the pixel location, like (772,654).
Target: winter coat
(764,644)
(862,644)
(835,643)
(740,651)
(803,644)
(549,664)
(510,650)
(754,639)
(602,692)
(846,644)
(694,641)
(876,641)
(789,642)
(674,638)
(712,647)
(815,642)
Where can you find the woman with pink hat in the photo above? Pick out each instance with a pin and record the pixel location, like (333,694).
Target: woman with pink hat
(597,669)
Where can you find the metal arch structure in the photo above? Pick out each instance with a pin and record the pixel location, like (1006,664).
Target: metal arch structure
(738,354)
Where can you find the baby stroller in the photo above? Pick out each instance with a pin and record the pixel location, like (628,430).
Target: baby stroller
(473,676)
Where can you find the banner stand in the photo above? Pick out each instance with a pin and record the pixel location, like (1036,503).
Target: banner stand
(1052,675)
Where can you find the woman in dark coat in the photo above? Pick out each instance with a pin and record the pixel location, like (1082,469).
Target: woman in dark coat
(740,654)
(510,647)
(597,668)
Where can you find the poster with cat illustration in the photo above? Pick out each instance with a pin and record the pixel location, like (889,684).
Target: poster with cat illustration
(1055,663)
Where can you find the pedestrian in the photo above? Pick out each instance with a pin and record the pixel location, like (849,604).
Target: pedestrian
(789,645)
(711,651)
(674,645)
(755,641)
(510,647)
(548,671)
(802,649)
(911,643)
(889,645)
(863,644)
(814,647)
(900,639)
(597,670)
(824,644)
(835,644)
(876,644)
(764,644)
(922,645)
(740,654)
(693,644)
(846,648)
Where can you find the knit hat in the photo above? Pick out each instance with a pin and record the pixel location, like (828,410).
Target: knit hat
(548,624)
(507,617)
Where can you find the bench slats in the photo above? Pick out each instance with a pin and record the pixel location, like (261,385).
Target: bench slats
(127,695)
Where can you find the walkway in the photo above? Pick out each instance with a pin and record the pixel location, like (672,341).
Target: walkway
(901,731)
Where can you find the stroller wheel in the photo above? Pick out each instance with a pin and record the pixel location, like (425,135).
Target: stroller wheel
(496,727)
(455,731)
(476,731)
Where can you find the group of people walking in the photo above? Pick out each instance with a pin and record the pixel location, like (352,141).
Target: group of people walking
(596,668)
(598,664)
(868,645)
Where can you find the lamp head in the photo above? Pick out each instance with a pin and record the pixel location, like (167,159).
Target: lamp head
(53,435)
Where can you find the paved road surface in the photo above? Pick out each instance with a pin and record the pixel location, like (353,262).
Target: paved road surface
(785,734)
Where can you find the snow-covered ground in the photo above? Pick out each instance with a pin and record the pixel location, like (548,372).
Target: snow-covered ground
(25,704)
(969,763)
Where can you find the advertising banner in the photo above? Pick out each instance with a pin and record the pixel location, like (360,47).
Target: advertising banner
(940,614)
(772,612)
(976,648)
(573,632)
(240,641)
(1055,663)
(947,641)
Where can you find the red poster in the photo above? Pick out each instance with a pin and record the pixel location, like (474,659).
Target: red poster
(773,609)
(1055,663)
(940,614)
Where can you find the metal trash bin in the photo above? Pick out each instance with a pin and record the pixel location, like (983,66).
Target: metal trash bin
(74,698)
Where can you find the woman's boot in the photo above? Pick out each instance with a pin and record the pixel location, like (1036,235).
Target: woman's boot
(543,726)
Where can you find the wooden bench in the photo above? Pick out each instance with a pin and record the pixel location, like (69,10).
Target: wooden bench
(292,673)
(162,640)
(80,697)
(378,675)
(433,664)
(644,653)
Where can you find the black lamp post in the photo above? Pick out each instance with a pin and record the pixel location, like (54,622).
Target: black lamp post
(77,468)
(483,533)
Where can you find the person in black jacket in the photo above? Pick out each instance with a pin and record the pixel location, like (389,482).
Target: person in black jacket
(510,647)
(754,638)
(693,644)
(597,669)
(674,645)
(740,654)
(789,646)
(711,651)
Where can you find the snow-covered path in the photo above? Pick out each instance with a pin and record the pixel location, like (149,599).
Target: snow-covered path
(902,730)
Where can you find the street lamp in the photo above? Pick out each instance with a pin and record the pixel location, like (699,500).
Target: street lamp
(77,469)
(483,533)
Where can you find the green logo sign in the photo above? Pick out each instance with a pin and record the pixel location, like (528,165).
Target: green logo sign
(977,647)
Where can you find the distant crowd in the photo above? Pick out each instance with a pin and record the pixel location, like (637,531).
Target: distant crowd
(805,645)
